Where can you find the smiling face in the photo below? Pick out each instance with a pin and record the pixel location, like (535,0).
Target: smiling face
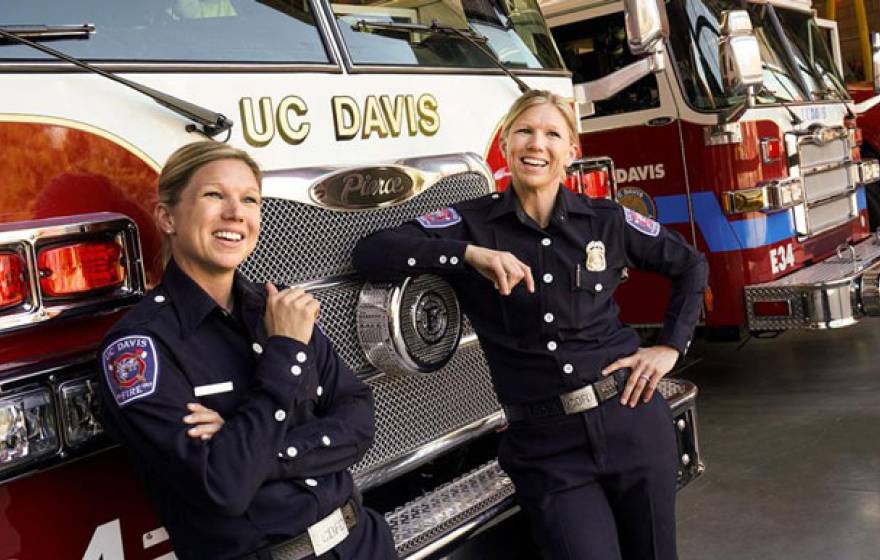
(216,221)
(538,147)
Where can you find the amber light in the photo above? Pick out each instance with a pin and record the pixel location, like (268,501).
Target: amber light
(77,268)
(772,308)
(12,282)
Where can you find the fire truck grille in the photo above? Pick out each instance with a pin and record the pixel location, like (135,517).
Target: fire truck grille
(414,411)
(300,242)
(828,185)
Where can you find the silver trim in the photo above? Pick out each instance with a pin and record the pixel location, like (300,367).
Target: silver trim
(297,184)
(418,457)
(27,238)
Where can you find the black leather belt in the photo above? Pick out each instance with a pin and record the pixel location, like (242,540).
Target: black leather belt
(300,546)
(579,400)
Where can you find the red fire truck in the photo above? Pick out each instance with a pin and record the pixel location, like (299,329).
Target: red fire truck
(733,127)
(362,114)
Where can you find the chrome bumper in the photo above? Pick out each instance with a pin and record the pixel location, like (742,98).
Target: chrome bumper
(439,520)
(836,292)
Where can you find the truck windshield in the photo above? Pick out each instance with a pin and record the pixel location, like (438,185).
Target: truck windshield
(514,29)
(180,31)
(696,28)
(814,59)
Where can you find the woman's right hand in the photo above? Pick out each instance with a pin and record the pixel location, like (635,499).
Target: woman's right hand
(501,267)
(291,312)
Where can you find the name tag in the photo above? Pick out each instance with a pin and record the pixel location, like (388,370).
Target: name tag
(212,389)
(328,532)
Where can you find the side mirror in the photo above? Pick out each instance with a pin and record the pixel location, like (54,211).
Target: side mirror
(644,25)
(740,54)
(875,60)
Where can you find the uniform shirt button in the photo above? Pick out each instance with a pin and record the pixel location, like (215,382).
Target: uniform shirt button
(320,391)
(453,260)
(548,317)
(548,278)
(159,298)
(551,346)
(598,287)
(291,452)
(296,370)
(442,259)
(280,415)
(568,368)
(300,357)
(411,261)
(546,242)
(496,196)
(257,348)
(325,441)
(311,482)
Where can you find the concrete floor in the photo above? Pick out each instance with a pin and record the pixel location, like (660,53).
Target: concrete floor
(790,434)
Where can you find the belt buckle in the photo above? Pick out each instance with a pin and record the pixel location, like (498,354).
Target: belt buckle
(328,532)
(579,400)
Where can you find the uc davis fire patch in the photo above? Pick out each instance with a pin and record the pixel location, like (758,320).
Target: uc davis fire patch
(641,223)
(440,218)
(131,368)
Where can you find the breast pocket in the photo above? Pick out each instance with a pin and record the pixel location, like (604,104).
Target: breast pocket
(590,296)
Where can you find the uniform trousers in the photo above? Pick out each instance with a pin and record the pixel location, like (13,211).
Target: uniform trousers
(598,485)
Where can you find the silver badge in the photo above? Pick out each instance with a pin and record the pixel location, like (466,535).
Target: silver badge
(595,256)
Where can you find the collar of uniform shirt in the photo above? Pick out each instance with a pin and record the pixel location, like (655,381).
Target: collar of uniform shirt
(182,288)
(566,202)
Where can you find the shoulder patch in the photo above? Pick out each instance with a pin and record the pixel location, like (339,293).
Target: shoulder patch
(641,223)
(131,368)
(442,218)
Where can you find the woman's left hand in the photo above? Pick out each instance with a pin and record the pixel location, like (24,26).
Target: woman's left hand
(207,422)
(649,365)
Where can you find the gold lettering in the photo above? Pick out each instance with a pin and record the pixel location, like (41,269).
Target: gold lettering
(373,121)
(346,117)
(292,134)
(411,115)
(393,114)
(429,117)
(256,136)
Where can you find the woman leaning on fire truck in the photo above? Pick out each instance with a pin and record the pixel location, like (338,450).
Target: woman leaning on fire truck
(238,413)
(590,446)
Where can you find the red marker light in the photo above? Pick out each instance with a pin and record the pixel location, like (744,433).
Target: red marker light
(772,308)
(77,268)
(13,287)
(771,149)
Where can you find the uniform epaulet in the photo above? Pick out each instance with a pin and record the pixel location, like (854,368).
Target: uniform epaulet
(145,310)
(479,203)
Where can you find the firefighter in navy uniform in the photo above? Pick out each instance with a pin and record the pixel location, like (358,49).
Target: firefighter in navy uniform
(590,445)
(235,408)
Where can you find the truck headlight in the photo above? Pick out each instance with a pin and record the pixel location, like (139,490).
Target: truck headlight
(28,430)
(77,399)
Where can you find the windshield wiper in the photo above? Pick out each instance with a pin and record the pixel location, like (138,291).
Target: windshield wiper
(48,32)
(211,123)
(470,36)
(795,120)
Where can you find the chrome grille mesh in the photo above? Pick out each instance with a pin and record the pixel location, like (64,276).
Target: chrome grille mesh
(412,411)
(300,242)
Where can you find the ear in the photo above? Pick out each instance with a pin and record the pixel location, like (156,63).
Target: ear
(164,219)
(502,144)
(573,152)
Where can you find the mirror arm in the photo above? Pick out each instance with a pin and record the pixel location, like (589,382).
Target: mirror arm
(866,105)
(613,83)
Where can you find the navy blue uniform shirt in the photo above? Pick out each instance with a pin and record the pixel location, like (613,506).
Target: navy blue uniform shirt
(560,337)
(295,418)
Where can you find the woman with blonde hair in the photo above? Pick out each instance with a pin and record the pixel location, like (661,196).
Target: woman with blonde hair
(234,406)
(590,445)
